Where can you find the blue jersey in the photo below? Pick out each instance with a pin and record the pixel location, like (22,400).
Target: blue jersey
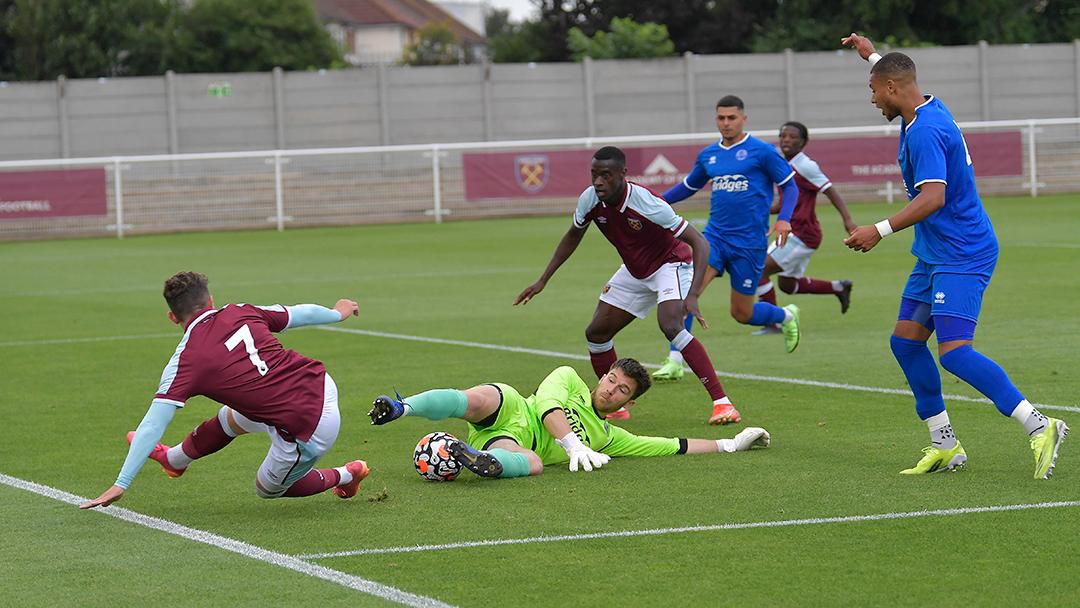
(742,179)
(958,236)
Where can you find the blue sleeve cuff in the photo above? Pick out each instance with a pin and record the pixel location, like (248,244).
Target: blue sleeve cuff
(789,196)
(311,314)
(677,193)
(146,437)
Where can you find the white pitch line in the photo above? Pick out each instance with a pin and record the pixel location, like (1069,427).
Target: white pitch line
(685,529)
(1045,245)
(282,560)
(559,355)
(736,375)
(92,339)
(155,288)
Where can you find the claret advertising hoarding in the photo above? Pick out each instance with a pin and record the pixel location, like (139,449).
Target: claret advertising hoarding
(560,173)
(52,193)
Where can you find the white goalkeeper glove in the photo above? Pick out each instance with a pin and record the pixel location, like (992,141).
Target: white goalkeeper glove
(747,438)
(581,454)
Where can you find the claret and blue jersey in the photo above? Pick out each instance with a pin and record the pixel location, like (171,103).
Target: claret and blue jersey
(958,237)
(742,177)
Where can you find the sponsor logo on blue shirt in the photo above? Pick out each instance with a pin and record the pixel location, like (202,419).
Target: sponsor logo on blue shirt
(730,183)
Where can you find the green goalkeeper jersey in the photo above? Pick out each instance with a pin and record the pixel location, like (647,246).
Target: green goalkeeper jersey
(564,389)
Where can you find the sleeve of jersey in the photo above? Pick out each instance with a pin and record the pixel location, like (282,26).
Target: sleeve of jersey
(657,210)
(812,173)
(277,317)
(690,184)
(177,380)
(625,443)
(302,315)
(778,169)
(146,436)
(926,149)
(585,205)
(554,392)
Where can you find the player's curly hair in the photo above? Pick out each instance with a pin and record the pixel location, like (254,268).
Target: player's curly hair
(804,133)
(636,372)
(187,292)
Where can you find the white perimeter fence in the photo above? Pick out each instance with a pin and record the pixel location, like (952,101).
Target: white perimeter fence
(408,183)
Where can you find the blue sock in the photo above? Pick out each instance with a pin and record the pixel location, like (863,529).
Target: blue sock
(766,314)
(922,375)
(688,324)
(987,377)
(515,464)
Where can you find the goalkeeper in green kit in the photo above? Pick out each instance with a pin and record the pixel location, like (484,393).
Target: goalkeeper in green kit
(514,436)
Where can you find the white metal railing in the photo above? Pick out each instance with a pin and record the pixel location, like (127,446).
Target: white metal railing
(279,158)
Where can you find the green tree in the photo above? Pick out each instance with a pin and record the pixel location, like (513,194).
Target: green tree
(250,36)
(434,44)
(806,25)
(736,26)
(697,26)
(510,42)
(43,39)
(626,39)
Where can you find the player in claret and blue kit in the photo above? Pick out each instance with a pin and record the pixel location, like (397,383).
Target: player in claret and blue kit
(790,261)
(663,266)
(956,250)
(230,355)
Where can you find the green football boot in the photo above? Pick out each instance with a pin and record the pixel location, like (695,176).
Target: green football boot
(936,460)
(671,371)
(1046,444)
(791,328)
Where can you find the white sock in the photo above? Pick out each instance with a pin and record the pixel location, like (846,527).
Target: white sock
(788,316)
(722,401)
(177,458)
(941,432)
(837,286)
(1033,420)
(346,476)
(676,356)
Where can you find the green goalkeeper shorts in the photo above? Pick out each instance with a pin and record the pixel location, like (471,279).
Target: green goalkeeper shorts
(514,421)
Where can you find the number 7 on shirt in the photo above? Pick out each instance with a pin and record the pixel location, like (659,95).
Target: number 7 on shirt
(244,335)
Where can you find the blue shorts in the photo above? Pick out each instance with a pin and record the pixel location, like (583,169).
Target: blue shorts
(743,265)
(950,293)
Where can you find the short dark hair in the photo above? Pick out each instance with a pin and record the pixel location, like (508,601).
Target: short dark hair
(611,153)
(730,101)
(636,372)
(894,65)
(187,292)
(804,133)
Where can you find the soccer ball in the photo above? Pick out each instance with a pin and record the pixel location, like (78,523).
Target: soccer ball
(433,460)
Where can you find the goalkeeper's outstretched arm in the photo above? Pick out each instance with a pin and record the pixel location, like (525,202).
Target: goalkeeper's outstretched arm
(580,454)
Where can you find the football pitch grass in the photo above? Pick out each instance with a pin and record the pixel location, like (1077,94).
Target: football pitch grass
(820,518)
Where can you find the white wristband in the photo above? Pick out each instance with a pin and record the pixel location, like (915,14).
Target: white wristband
(570,442)
(884,228)
(726,445)
(874,58)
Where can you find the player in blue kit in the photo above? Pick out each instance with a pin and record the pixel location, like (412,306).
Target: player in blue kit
(741,171)
(956,250)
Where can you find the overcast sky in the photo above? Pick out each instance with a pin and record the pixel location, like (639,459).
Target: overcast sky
(519,9)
